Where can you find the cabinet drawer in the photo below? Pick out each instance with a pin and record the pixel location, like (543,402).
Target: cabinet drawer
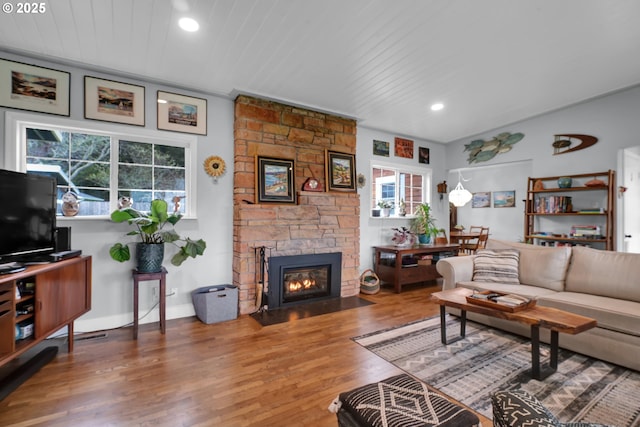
(6,292)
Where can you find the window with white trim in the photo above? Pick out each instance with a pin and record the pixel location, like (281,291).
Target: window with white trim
(100,164)
(399,184)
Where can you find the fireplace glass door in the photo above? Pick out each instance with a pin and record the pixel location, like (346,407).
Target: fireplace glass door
(306,282)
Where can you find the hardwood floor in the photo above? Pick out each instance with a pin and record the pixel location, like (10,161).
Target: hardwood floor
(235,373)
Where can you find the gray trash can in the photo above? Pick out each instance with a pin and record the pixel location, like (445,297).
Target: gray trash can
(215,303)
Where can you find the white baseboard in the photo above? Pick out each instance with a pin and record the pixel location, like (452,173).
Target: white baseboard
(83,325)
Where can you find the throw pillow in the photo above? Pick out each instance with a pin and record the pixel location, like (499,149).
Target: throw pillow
(497,266)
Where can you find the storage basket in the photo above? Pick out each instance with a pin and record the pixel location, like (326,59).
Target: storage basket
(369,282)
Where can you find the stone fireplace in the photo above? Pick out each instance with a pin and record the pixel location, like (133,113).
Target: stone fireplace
(319,223)
(298,279)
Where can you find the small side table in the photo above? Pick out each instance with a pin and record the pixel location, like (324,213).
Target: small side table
(142,277)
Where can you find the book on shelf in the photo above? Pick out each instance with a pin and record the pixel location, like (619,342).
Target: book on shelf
(553,204)
(593,211)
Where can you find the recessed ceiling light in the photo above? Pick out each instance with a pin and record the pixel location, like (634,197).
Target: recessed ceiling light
(189,24)
(437,107)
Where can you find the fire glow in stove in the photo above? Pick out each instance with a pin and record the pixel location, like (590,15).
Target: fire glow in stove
(296,279)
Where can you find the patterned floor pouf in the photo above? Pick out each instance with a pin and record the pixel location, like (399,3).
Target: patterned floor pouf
(399,401)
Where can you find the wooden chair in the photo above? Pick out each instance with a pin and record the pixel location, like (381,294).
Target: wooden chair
(470,248)
(441,238)
(484,236)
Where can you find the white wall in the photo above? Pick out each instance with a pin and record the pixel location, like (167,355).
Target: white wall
(377,231)
(112,284)
(613,119)
(503,223)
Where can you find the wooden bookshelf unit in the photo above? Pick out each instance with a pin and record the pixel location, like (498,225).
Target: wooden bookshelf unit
(55,295)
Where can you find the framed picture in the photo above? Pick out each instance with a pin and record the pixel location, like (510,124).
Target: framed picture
(274,180)
(341,171)
(504,199)
(380,148)
(404,148)
(181,113)
(423,155)
(111,101)
(481,200)
(27,87)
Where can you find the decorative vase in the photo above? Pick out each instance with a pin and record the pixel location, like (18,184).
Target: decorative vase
(564,182)
(150,257)
(424,239)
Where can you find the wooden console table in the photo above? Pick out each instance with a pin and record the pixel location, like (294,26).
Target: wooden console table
(400,274)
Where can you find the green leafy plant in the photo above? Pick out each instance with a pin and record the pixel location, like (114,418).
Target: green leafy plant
(150,227)
(424,222)
(385,204)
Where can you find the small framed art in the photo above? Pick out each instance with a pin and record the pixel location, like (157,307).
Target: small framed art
(274,180)
(28,87)
(481,200)
(380,148)
(111,101)
(504,199)
(341,171)
(181,113)
(403,148)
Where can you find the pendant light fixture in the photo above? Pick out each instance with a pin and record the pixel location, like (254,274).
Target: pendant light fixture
(459,196)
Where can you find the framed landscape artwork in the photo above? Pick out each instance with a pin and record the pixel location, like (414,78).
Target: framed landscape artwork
(274,180)
(380,148)
(341,171)
(481,200)
(27,87)
(504,199)
(181,113)
(111,101)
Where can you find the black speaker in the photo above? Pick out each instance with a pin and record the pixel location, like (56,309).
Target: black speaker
(63,239)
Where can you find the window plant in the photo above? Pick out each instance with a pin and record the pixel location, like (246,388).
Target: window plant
(385,207)
(155,228)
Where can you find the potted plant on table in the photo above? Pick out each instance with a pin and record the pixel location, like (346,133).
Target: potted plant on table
(424,224)
(155,228)
(402,236)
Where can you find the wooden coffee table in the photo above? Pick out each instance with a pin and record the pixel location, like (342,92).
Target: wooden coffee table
(537,317)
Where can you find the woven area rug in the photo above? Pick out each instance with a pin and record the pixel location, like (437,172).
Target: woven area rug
(488,360)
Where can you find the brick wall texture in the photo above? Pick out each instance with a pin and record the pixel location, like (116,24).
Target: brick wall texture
(319,222)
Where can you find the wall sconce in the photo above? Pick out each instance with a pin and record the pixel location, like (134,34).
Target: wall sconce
(442,189)
(459,196)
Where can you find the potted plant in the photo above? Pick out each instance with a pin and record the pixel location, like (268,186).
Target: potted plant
(402,236)
(424,224)
(385,207)
(150,227)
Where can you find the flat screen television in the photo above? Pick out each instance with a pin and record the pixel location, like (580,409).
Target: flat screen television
(27,216)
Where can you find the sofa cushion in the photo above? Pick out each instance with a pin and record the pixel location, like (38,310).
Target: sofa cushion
(605,273)
(539,265)
(496,266)
(610,313)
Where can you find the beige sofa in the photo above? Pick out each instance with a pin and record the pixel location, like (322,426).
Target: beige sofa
(603,285)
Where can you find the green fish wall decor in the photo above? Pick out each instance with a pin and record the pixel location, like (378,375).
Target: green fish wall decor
(481,151)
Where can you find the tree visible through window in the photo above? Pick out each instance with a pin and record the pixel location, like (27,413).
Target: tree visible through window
(100,167)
